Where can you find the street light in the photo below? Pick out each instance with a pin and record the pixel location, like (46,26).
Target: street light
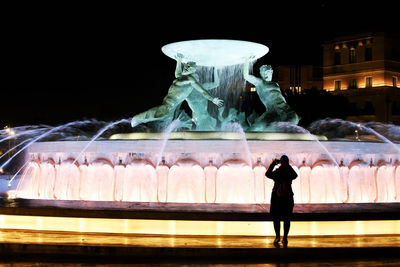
(11,133)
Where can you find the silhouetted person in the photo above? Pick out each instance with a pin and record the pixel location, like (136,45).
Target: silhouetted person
(282,201)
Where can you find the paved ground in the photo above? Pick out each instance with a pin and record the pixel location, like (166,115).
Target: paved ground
(198,211)
(18,246)
(28,247)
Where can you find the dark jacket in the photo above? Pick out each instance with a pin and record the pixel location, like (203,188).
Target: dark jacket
(284,174)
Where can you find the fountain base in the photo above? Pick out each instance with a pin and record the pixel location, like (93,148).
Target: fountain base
(196,219)
(209,171)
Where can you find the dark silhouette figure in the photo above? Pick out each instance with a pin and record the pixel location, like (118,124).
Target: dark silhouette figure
(282,202)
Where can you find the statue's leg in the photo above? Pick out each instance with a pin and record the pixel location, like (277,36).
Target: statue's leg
(153,114)
(288,115)
(293,117)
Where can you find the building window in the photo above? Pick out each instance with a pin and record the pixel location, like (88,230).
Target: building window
(337,85)
(337,58)
(295,76)
(368,53)
(395,108)
(368,82)
(353,84)
(368,109)
(352,55)
(394,79)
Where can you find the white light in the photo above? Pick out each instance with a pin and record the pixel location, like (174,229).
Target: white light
(215,52)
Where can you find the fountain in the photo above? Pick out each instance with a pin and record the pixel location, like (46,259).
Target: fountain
(181,172)
(191,167)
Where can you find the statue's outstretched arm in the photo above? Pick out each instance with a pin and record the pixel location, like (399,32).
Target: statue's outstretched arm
(214,84)
(248,77)
(178,69)
(197,86)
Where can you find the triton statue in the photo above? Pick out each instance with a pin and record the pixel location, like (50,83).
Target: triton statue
(185,83)
(198,104)
(270,95)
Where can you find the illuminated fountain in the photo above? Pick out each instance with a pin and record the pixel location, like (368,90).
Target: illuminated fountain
(192,169)
(225,166)
(213,166)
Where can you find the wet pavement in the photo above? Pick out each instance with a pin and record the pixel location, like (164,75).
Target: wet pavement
(68,247)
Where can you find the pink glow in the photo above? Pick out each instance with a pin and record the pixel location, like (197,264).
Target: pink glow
(188,182)
(361,181)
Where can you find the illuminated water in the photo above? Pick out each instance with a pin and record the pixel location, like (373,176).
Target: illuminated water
(215,52)
(209,171)
(205,170)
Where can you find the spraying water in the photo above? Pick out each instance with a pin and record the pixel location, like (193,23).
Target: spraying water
(54,129)
(333,128)
(236,127)
(22,131)
(166,132)
(305,131)
(14,147)
(100,132)
(15,175)
(386,140)
(230,88)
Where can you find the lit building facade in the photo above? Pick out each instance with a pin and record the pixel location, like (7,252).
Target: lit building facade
(366,69)
(296,78)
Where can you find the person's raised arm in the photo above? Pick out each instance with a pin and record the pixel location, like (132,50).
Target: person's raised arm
(214,84)
(178,69)
(248,77)
(197,86)
(270,173)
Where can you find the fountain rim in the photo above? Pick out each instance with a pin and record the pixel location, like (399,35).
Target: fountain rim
(212,135)
(257,49)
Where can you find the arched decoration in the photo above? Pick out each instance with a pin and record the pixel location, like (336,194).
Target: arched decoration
(28,184)
(385,182)
(97,180)
(162,171)
(210,173)
(47,179)
(263,185)
(235,182)
(138,182)
(361,182)
(187,160)
(326,183)
(356,162)
(50,161)
(303,194)
(381,162)
(141,161)
(321,162)
(186,182)
(104,161)
(397,179)
(67,180)
(234,161)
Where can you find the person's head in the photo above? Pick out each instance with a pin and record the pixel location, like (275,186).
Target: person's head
(266,72)
(284,160)
(189,68)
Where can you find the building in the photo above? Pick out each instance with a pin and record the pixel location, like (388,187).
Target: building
(296,78)
(365,68)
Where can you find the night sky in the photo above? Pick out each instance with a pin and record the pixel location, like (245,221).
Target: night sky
(62,62)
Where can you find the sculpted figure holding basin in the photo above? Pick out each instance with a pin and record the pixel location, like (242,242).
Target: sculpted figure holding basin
(185,82)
